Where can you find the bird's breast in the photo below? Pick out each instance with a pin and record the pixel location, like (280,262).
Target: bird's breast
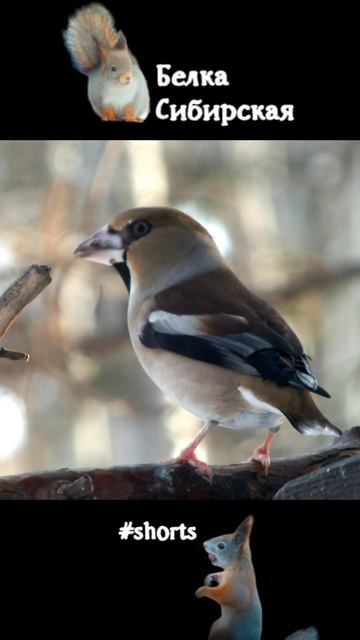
(197,387)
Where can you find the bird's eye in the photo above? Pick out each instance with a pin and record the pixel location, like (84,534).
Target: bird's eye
(113,68)
(141,228)
(221,545)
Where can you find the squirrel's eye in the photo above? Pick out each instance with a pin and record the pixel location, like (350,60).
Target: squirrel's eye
(113,68)
(141,228)
(221,545)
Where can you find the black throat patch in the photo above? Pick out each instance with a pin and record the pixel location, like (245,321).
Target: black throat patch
(124,271)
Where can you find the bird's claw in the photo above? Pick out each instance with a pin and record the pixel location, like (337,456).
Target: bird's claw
(262,457)
(189,457)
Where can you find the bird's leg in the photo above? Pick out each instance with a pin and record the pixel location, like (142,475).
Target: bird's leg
(262,453)
(188,455)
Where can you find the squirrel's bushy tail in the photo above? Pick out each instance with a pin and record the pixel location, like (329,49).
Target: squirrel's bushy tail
(305,634)
(90,28)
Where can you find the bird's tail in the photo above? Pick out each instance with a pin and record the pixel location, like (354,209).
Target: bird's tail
(309,420)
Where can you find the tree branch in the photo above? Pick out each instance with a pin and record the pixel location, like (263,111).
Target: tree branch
(182,482)
(316,278)
(13,355)
(16,297)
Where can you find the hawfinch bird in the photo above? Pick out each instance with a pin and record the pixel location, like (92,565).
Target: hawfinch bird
(210,344)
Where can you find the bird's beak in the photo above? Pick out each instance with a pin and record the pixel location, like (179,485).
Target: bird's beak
(105,246)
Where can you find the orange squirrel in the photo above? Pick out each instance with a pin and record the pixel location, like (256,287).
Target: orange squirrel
(235,590)
(235,587)
(117,88)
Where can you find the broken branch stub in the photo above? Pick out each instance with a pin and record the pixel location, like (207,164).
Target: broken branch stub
(18,295)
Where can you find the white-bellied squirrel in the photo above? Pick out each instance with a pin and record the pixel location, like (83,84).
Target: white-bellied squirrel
(235,589)
(117,88)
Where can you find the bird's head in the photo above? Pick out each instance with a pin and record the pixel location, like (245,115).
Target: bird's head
(158,246)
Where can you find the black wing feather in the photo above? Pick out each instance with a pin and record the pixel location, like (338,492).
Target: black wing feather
(243,352)
(196,347)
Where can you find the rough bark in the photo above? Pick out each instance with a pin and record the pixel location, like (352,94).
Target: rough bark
(16,298)
(182,482)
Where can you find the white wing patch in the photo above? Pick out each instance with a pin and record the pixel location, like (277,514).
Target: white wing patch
(258,405)
(191,325)
(165,322)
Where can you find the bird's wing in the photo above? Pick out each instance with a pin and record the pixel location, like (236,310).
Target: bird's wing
(215,319)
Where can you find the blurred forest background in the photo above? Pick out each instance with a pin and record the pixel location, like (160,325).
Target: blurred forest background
(285,215)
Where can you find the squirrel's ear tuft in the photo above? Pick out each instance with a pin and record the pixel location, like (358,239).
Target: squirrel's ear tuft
(244,529)
(121,43)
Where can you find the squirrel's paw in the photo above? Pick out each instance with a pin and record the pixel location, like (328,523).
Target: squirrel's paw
(108,114)
(129,114)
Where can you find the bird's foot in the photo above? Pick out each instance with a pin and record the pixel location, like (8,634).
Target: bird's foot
(261,455)
(188,456)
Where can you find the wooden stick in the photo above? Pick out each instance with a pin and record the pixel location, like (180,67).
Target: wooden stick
(20,293)
(14,355)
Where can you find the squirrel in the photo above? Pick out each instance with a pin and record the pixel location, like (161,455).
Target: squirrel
(117,88)
(235,587)
(304,634)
